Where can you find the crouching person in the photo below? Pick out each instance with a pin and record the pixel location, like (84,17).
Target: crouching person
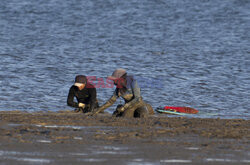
(128,89)
(85,94)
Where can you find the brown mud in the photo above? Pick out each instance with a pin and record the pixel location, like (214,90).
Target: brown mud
(66,137)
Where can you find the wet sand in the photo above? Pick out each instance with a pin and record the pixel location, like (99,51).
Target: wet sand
(73,138)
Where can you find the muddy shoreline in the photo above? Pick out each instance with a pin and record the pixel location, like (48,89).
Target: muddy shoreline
(103,139)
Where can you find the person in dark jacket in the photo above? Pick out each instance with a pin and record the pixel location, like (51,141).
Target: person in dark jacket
(85,94)
(128,89)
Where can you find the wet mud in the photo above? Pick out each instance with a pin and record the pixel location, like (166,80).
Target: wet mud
(66,137)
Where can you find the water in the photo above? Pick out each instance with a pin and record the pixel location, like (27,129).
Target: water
(198,49)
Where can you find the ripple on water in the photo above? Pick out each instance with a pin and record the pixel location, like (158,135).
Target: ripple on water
(175,161)
(199,51)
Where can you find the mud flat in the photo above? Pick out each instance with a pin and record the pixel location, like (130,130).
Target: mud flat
(65,137)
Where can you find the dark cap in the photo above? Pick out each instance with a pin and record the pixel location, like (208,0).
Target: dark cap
(81,79)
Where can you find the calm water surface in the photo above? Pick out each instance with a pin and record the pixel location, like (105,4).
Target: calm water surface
(199,50)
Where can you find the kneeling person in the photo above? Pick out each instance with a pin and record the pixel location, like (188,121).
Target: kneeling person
(128,89)
(85,94)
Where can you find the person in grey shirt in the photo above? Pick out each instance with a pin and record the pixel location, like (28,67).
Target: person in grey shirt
(128,89)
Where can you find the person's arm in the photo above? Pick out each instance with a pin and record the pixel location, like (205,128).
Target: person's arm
(92,98)
(110,102)
(70,100)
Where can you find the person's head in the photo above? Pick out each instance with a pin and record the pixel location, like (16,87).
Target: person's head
(80,81)
(118,76)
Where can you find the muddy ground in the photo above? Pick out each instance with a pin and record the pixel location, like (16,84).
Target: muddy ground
(73,138)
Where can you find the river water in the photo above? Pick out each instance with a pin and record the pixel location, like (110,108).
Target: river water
(192,53)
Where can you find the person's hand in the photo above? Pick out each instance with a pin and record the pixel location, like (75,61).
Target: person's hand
(81,105)
(120,109)
(94,112)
